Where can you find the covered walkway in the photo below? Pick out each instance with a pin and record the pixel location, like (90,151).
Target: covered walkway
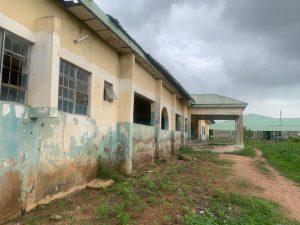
(210,107)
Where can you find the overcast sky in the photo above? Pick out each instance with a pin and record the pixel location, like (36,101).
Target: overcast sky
(245,49)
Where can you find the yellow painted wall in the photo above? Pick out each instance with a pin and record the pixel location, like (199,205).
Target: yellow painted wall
(94,49)
(93,54)
(144,82)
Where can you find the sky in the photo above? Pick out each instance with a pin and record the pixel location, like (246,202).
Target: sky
(246,49)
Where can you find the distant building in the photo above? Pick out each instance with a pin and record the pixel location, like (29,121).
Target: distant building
(259,127)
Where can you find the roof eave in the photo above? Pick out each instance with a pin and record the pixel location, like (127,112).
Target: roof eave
(124,37)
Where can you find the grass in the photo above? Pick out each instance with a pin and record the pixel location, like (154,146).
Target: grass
(232,208)
(221,142)
(173,193)
(236,209)
(244,184)
(247,151)
(282,155)
(262,167)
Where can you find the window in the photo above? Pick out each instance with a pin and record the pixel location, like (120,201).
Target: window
(73,93)
(109,94)
(141,110)
(14,61)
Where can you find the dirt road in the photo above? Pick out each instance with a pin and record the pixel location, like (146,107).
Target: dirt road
(276,187)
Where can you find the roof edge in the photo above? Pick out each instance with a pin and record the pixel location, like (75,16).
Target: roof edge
(119,31)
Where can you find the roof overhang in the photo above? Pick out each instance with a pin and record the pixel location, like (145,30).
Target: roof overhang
(109,30)
(242,106)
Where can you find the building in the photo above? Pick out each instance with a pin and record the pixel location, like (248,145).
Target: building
(210,107)
(77,91)
(260,127)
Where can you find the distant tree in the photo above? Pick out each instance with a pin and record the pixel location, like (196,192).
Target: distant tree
(248,133)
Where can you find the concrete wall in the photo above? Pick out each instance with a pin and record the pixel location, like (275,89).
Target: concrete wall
(143,145)
(45,158)
(45,154)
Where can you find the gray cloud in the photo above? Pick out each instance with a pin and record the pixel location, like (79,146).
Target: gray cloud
(246,49)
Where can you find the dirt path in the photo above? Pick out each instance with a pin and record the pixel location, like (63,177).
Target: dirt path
(276,188)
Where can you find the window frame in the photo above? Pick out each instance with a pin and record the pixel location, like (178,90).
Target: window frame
(17,56)
(109,94)
(62,87)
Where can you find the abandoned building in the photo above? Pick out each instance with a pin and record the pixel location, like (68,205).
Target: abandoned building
(76,91)
(259,127)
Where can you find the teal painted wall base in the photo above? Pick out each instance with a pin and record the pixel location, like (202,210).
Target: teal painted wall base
(44,153)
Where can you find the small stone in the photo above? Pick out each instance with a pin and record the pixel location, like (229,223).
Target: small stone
(97,184)
(55,217)
(201,212)
(185,158)
(150,171)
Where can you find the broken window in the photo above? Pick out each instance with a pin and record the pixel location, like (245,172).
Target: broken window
(164,119)
(73,91)
(109,94)
(14,61)
(142,110)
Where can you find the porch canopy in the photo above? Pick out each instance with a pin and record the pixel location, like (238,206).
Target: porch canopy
(217,107)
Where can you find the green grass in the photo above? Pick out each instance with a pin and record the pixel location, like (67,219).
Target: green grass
(282,155)
(221,142)
(247,151)
(236,209)
(262,167)
(173,193)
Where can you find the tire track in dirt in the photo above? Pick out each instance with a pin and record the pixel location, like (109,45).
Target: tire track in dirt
(276,187)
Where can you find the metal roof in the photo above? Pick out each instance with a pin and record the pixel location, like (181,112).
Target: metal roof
(110,30)
(256,122)
(213,100)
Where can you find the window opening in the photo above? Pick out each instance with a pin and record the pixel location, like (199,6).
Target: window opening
(73,91)
(109,94)
(14,58)
(142,110)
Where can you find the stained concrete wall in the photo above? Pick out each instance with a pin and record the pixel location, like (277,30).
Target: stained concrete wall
(165,143)
(44,153)
(143,146)
(44,158)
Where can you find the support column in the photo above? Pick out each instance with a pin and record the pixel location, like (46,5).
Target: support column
(188,125)
(173,123)
(126,107)
(182,125)
(44,69)
(199,138)
(156,116)
(126,93)
(239,129)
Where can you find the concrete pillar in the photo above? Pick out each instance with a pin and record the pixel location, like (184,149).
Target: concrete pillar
(188,124)
(239,128)
(173,122)
(182,125)
(126,107)
(44,69)
(156,116)
(199,130)
(126,93)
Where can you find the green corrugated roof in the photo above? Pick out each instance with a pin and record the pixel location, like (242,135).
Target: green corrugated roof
(213,100)
(256,122)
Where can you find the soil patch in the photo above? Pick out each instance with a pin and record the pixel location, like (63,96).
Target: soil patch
(275,187)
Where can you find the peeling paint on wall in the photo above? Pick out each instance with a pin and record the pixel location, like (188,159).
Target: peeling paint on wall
(143,147)
(165,143)
(53,155)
